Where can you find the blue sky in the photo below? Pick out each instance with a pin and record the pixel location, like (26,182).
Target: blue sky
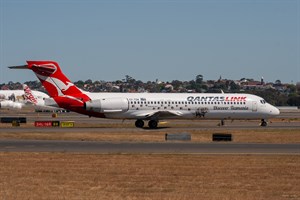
(149,40)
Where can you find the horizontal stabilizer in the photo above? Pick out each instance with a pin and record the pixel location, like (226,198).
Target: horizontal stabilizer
(50,102)
(19,67)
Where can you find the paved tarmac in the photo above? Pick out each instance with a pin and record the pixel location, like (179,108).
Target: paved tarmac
(137,148)
(285,120)
(92,125)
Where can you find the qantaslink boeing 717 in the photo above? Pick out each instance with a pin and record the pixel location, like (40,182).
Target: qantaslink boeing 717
(150,107)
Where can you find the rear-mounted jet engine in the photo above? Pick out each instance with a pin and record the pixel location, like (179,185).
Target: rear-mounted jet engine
(108,105)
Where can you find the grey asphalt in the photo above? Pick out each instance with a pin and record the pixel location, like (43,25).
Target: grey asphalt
(12,145)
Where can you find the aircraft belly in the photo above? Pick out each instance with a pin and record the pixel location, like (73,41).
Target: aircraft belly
(233,115)
(147,114)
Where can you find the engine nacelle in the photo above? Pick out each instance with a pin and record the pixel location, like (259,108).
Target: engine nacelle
(108,105)
(10,104)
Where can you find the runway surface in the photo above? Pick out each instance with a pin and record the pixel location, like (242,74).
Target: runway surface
(96,125)
(86,124)
(126,147)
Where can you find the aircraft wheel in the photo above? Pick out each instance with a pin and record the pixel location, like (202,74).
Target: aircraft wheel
(263,123)
(222,122)
(139,123)
(152,124)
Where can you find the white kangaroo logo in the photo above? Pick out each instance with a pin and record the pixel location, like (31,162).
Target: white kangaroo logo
(69,84)
(57,83)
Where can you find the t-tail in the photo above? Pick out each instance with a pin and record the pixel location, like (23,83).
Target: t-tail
(53,79)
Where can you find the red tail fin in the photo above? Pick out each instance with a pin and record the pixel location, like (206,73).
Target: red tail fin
(54,80)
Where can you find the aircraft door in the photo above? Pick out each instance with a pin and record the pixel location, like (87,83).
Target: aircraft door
(254,106)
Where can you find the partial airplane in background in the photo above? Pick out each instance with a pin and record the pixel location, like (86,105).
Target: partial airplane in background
(17,99)
(38,102)
(150,107)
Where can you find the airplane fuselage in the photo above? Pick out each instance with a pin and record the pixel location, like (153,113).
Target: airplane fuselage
(171,105)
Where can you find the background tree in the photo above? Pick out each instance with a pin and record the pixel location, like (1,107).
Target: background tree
(79,84)
(89,81)
(294,101)
(176,84)
(234,87)
(199,79)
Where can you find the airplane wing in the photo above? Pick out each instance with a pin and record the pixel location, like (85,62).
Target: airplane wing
(159,114)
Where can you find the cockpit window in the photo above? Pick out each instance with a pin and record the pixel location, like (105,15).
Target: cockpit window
(263,101)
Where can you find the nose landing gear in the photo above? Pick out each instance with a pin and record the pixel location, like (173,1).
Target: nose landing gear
(263,122)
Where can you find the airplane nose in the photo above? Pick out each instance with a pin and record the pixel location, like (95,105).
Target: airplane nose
(274,111)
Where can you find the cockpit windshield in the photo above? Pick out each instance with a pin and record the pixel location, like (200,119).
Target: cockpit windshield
(262,101)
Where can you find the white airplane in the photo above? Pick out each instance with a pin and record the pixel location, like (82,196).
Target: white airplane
(38,101)
(150,107)
(17,99)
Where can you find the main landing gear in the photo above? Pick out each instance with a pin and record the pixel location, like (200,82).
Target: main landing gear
(152,123)
(263,122)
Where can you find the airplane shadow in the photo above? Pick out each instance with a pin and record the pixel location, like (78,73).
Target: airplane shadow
(158,128)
